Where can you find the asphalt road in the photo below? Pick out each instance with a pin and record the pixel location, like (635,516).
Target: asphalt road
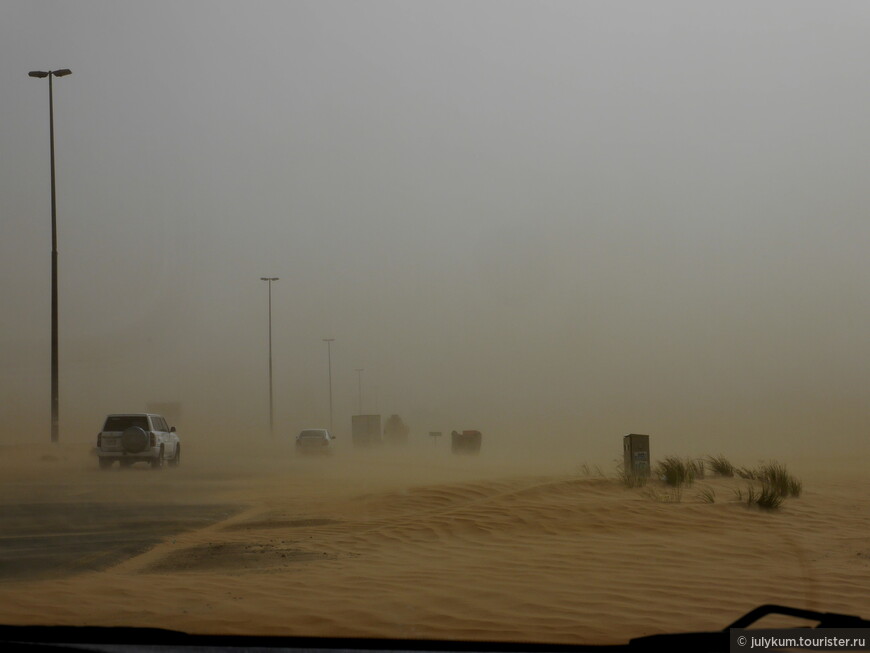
(57,539)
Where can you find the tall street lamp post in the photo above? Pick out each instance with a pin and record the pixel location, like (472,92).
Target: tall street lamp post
(359,372)
(271,396)
(329,342)
(55,394)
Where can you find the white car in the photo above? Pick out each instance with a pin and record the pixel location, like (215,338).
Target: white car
(314,441)
(137,437)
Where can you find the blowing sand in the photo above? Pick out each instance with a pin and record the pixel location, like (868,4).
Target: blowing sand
(419,544)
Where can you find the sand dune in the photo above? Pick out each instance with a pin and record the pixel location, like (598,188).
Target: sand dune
(423,547)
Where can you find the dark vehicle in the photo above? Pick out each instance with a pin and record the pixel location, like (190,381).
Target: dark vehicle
(467,442)
(395,430)
(366,430)
(316,441)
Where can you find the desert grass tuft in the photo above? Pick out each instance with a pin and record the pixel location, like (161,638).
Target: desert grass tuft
(677,472)
(707,496)
(720,465)
(776,485)
(746,472)
(594,470)
(776,475)
(767,498)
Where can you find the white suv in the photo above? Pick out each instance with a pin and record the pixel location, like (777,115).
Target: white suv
(138,437)
(314,441)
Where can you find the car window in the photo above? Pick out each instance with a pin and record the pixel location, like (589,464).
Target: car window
(123,422)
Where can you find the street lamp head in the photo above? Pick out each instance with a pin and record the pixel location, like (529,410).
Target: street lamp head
(268,278)
(63,72)
(328,339)
(37,73)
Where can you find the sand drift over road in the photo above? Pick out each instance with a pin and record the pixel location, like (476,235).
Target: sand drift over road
(414,545)
(59,539)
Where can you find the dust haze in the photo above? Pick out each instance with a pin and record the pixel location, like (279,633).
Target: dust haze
(554,222)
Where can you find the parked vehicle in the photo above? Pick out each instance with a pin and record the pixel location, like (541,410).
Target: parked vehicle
(366,430)
(314,441)
(396,431)
(465,442)
(138,437)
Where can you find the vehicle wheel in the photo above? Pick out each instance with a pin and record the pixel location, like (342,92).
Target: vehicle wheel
(157,461)
(176,460)
(134,440)
(105,463)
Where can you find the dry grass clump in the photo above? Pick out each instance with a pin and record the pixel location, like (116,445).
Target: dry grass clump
(698,468)
(707,495)
(677,472)
(765,497)
(776,485)
(776,475)
(720,465)
(769,483)
(594,470)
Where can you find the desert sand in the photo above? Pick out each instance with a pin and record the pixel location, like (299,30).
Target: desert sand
(413,544)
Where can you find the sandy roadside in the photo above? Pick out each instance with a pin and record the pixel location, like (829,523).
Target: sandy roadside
(408,545)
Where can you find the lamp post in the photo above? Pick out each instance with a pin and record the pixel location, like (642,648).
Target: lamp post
(359,372)
(55,394)
(329,342)
(271,396)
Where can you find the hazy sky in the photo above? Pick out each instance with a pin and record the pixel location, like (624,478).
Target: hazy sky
(568,220)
